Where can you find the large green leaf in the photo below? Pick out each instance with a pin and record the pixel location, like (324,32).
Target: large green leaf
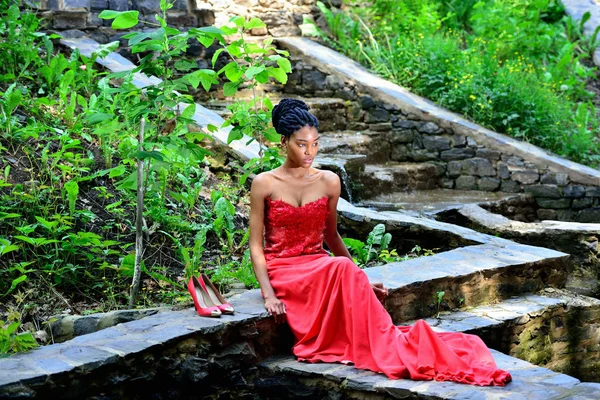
(255,70)
(230,88)
(126,20)
(254,23)
(278,74)
(206,77)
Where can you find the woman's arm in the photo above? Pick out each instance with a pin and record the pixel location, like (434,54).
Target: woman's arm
(331,236)
(258,192)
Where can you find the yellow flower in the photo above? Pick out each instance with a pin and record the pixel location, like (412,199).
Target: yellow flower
(472,97)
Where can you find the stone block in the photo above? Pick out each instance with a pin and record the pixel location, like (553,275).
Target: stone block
(70,20)
(555,178)
(53,5)
(435,142)
(488,184)
(99,5)
(525,177)
(85,325)
(582,203)
(423,155)
(564,214)
(377,115)
(457,154)
(118,5)
(417,141)
(590,215)
(429,128)
(471,142)
(400,153)
(366,102)
(553,203)
(205,17)
(592,191)
(466,182)
(454,168)
(403,123)
(448,183)
(403,136)
(180,19)
(544,214)
(459,141)
(492,155)
(550,191)
(503,171)
(574,191)
(313,80)
(510,187)
(513,160)
(440,167)
(478,167)
(79,5)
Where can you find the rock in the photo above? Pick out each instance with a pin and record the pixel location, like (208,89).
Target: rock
(440,167)
(513,160)
(459,141)
(423,155)
(72,34)
(582,203)
(70,20)
(79,5)
(118,5)
(550,191)
(403,123)
(591,215)
(334,82)
(503,171)
(436,143)
(85,325)
(544,214)
(41,336)
(555,178)
(366,102)
(471,142)
(99,5)
(478,167)
(404,136)
(466,182)
(429,128)
(574,191)
(377,115)
(553,203)
(592,191)
(488,184)
(492,155)
(525,177)
(417,141)
(457,154)
(510,187)
(454,168)
(400,153)
(313,80)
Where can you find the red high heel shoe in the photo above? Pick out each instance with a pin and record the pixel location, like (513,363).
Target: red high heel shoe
(202,301)
(215,295)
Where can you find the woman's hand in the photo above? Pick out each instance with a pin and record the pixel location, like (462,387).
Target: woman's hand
(275,308)
(380,291)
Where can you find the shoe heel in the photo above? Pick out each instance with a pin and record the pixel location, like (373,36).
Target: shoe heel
(202,301)
(215,295)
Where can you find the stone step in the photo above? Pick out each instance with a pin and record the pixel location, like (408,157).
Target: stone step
(556,329)
(433,202)
(469,276)
(294,379)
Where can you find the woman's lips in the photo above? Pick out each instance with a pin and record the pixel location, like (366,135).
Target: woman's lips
(308,161)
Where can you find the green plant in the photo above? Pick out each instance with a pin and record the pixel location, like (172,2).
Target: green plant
(438,297)
(13,342)
(363,253)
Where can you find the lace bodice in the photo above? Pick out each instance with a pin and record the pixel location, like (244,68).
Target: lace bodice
(293,231)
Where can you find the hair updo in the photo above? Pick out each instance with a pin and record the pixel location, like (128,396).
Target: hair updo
(291,115)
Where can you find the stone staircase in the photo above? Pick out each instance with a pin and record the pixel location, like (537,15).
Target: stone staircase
(510,294)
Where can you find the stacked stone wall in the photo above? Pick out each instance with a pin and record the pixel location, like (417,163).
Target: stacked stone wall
(460,161)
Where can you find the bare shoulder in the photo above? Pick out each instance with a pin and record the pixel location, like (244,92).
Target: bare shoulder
(330,177)
(262,183)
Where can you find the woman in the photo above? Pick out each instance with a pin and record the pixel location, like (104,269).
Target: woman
(333,311)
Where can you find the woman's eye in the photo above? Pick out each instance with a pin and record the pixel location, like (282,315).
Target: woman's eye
(315,144)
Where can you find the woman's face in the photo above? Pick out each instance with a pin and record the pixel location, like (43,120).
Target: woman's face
(302,146)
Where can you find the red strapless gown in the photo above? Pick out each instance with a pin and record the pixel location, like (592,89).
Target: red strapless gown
(336,317)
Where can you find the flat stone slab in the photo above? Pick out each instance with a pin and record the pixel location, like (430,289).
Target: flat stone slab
(529,381)
(432,202)
(332,62)
(105,347)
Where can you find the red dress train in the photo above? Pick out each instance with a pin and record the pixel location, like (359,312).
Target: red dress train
(336,317)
